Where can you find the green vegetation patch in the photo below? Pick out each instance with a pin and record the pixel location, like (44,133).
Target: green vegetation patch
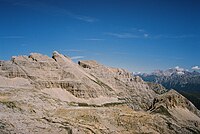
(112,104)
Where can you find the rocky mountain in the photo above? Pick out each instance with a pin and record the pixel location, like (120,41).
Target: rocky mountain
(41,94)
(187,83)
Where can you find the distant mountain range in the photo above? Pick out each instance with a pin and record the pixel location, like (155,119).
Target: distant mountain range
(185,82)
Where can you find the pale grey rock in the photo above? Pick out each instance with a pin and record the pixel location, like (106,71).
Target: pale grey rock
(41,94)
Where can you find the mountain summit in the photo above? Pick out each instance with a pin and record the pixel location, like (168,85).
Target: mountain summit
(184,81)
(41,94)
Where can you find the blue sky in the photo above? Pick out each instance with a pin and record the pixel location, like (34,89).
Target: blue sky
(138,35)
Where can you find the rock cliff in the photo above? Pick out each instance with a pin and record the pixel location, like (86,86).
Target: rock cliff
(41,94)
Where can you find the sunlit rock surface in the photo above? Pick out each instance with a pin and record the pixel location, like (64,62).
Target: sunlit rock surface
(41,94)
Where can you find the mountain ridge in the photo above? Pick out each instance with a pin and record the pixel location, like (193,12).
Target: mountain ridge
(41,94)
(185,82)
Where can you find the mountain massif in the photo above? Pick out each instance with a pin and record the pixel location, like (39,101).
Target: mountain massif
(185,82)
(41,94)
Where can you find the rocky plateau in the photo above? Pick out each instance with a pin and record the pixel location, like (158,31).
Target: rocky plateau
(54,95)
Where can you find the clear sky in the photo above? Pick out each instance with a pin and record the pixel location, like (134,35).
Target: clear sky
(138,35)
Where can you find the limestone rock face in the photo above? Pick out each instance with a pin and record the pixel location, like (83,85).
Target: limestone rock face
(171,100)
(41,94)
(159,89)
(125,85)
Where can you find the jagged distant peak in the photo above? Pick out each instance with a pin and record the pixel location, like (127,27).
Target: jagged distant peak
(137,73)
(179,68)
(171,71)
